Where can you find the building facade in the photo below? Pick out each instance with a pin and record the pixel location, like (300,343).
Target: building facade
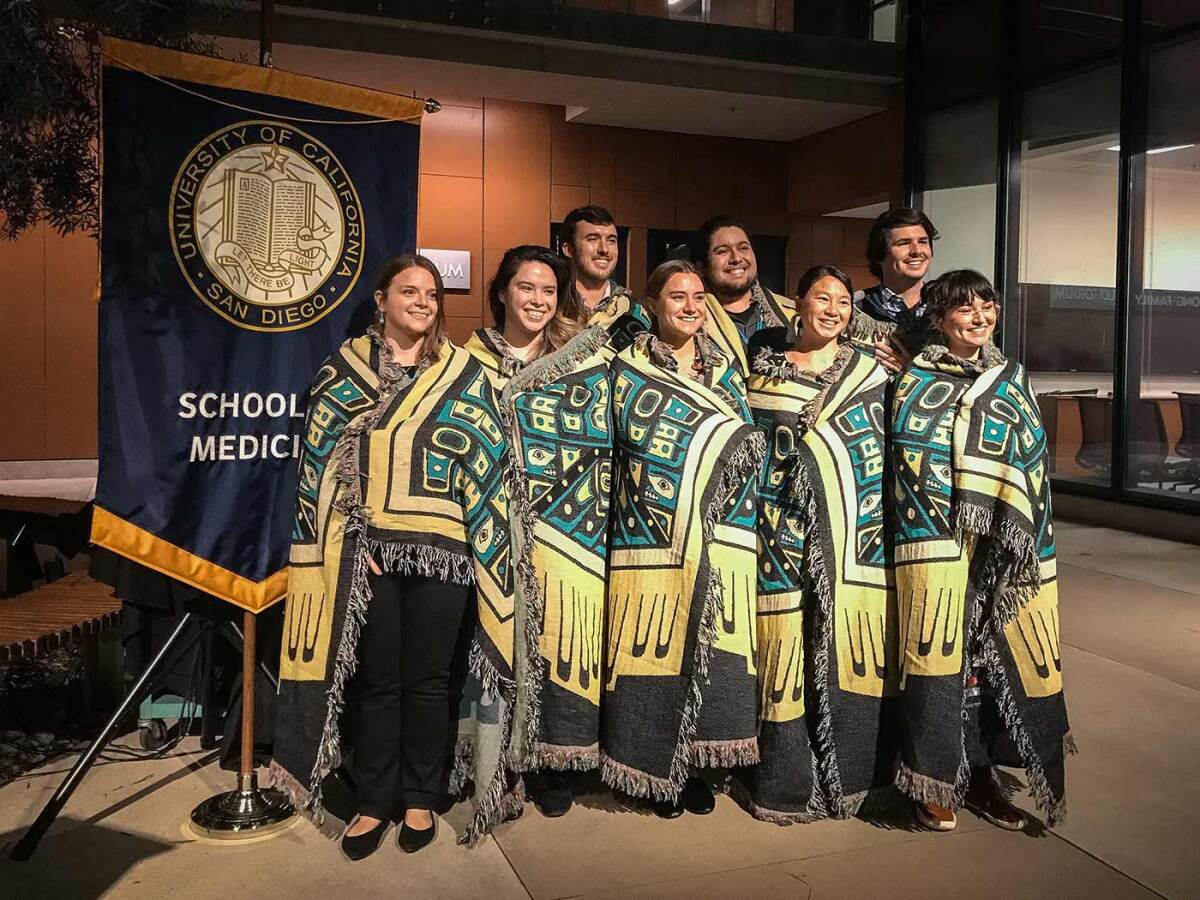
(1056,146)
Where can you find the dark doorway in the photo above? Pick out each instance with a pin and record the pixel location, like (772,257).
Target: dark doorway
(770,251)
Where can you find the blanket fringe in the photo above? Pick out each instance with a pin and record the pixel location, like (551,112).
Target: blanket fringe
(498,799)
(303,801)
(562,759)
(479,666)
(741,795)
(924,789)
(404,558)
(530,615)
(818,574)
(724,754)
(1012,567)
(868,330)
(1055,808)
(553,366)
(635,782)
(345,664)
(460,771)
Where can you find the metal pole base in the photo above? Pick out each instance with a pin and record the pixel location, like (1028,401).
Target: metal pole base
(245,813)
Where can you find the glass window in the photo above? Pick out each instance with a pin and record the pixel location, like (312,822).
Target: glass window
(884,20)
(1066,298)
(960,187)
(961,51)
(1164,371)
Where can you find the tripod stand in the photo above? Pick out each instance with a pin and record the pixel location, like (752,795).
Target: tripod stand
(187,633)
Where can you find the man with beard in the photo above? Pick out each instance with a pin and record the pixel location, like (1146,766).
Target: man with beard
(588,240)
(738,306)
(899,249)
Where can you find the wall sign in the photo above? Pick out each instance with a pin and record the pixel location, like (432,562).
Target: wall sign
(454,265)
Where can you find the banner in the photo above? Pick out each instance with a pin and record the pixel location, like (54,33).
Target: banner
(245,212)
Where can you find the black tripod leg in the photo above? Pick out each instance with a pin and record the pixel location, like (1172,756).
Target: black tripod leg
(208,735)
(29,841)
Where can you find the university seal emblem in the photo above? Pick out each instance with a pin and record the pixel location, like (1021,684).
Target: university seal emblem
(266,226)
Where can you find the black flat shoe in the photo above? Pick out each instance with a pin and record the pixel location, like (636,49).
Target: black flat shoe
(411,840)
(667,809)
(363,845)
(556,797)
(698,797)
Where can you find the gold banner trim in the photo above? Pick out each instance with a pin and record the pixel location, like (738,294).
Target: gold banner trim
(128,540)
(260,80)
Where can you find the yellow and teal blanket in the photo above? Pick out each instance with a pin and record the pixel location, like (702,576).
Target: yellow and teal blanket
(826,605)
(776,311)
(981,661)
(623,317)
(680,686)
(556,415)
(403,469)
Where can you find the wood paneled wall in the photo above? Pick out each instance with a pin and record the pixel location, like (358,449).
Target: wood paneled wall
(493,174)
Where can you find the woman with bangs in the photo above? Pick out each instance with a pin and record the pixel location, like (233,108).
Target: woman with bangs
(981,664)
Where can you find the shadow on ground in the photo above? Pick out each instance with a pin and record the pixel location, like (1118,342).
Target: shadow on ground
(77,860)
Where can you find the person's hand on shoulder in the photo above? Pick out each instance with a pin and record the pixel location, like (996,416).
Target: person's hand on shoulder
(892,355)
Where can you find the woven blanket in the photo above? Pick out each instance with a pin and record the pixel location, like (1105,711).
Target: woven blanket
(556,412)
(680,686)
(401,469)
(826,609)
(623,317)
(776,311)
(976,579)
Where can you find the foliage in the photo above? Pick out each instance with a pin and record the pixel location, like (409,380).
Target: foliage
(49,99)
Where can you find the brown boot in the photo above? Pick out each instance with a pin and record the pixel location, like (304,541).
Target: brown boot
(936,818)
(986,800)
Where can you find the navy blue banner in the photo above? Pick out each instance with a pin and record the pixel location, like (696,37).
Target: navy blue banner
(245,213)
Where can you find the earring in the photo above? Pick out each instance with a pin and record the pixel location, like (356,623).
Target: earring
(379,317)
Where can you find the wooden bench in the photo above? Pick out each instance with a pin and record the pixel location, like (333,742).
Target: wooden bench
(74,608)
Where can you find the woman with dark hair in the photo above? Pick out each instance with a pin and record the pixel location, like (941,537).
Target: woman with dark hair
(981,673)
(680,687)
(826,613)
(400,483)
(535,308)
(552,377)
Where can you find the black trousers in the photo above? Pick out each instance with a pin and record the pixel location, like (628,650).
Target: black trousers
(405,718)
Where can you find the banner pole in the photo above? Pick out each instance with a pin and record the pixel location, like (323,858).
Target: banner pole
(249,640)
(248,811)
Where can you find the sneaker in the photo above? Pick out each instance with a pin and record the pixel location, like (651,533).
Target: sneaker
(936,818)
(698,797)
(556,797)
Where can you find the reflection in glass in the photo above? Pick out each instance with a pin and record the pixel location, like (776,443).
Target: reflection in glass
(960,188)
(1067,265)
(1164,378)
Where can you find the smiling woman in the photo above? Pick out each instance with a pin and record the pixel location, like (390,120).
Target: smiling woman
(554,404)
(680,688)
